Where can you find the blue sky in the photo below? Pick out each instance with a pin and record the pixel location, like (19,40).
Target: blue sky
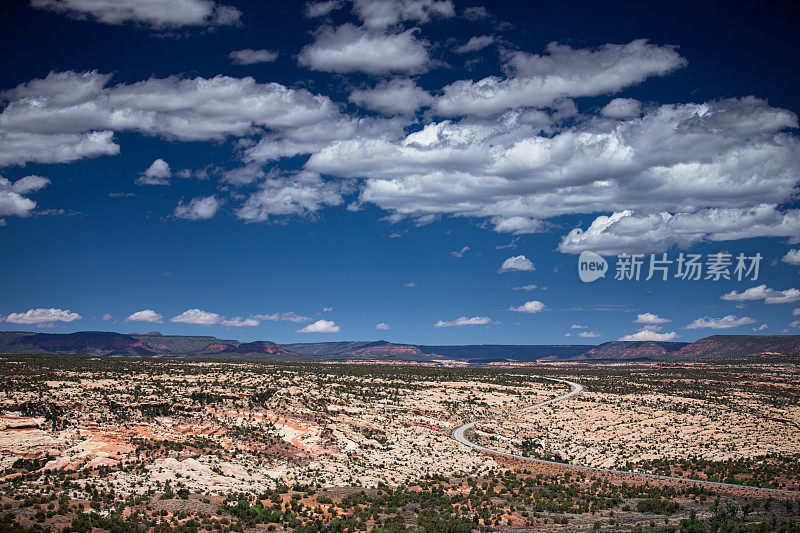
(362,170)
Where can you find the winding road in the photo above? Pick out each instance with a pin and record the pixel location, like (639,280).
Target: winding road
(576,388)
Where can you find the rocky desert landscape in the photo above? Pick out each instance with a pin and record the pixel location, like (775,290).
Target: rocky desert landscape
(158,444)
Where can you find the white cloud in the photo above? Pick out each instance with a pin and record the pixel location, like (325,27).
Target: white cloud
(518,263)
(479,42)
(327,309)
(622,108)
(381,14)
(298,195)
(726,322)
(564,72)
(197,317)
(158,173)
(27,184)
(42,317)
(476,13)
(460,253)
(383,326)
(795,324)
(796,312)
(107,316)
(68,116)
(251,57)
(526,288)
(238,322)
(624,232)
(792,257)
(352,49)
(410,284)
(729,157)
(650,319)
(464,321)
(12,201)
(534,306)
(578,326)
(198,208)
(588,334)
(146,315)
(291,316)
(320,9)
(516,225)
(398,96)
(21,147)
(762,327)
(762,292)
(649,333)
(159,14)
(321,326)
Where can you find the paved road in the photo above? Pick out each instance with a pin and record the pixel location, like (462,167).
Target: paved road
(576,388)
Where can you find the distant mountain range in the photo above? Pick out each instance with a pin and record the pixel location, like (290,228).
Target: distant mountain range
(154,344)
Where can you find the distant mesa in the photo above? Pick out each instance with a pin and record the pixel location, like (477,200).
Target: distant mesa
(632,351)
(154,344)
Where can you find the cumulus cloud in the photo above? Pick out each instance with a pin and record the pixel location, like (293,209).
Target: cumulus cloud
(249,56)
(158,14)
(298,195)
(42,317)
(650,333)
(762,327)
(12,201)
(383,326)
(680,174)
(650,319)
(476,13)
(464,321)
(534,306)
(158,173)
(625,232)
(321,326)
(762,292)
(197,317)
(395,97)
(291,316)
(25,185)
(518,263)
(198,208)
(563,72)
(352,49)
(479,42)
(68,116)
(20,147)
(238,322)
(792,257)
(516,225)
(622,108)
(726,322)
(588,334)
(385,13)
(578,326)
(796,312)
(146,315)
(460,253)
(526,288)
(320,9)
